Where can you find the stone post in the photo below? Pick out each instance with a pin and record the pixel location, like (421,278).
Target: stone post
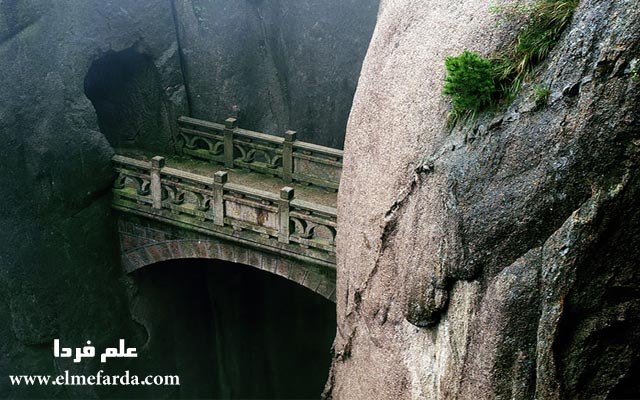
(229,126)
(284,204)
(287,156)
(157,163)
(219,179)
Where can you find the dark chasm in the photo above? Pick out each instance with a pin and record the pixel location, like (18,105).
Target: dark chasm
(240,332)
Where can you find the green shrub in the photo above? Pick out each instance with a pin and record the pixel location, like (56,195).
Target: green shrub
(469,82)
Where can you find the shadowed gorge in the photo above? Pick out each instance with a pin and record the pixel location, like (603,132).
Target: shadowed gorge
(248,333)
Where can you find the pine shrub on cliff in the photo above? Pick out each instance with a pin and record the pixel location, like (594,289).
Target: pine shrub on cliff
(469,82)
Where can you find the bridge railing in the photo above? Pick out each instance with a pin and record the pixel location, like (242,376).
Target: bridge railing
(160,191)
(288,158)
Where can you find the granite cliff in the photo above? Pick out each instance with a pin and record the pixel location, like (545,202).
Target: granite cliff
(497,259)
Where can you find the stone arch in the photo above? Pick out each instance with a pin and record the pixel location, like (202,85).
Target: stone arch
(291,269)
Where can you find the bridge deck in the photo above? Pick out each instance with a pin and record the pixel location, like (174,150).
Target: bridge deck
(275,196)
(310,193)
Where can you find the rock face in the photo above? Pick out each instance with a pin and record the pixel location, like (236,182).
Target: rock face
(59,271)
(81,77)
(497,260)
(275,65)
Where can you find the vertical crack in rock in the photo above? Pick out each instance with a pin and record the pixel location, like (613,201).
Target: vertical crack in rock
(563,253)
(184,70)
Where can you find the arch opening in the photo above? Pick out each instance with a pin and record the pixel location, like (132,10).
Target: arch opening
(138,252)
(233,331)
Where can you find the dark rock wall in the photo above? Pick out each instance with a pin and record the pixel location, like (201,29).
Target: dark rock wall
(81,77)
(59,272)
(276,65)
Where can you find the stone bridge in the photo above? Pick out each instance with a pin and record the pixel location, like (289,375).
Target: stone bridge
(234,195)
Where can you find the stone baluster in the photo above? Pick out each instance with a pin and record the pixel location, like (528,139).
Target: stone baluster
(229,126)
(287,156)
(219,179)
(157,163)
(284,205)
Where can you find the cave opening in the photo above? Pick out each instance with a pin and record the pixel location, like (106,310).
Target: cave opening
(126,92)
(232,331)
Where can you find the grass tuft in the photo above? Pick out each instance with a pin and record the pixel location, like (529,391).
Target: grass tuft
(532,44)
(475,83)
(541,95)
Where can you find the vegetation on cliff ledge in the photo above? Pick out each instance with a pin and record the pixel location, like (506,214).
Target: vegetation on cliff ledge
(476,84)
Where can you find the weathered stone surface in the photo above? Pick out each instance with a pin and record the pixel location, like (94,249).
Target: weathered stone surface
(59,268)
(496,262)
(276,65)
(185,243)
